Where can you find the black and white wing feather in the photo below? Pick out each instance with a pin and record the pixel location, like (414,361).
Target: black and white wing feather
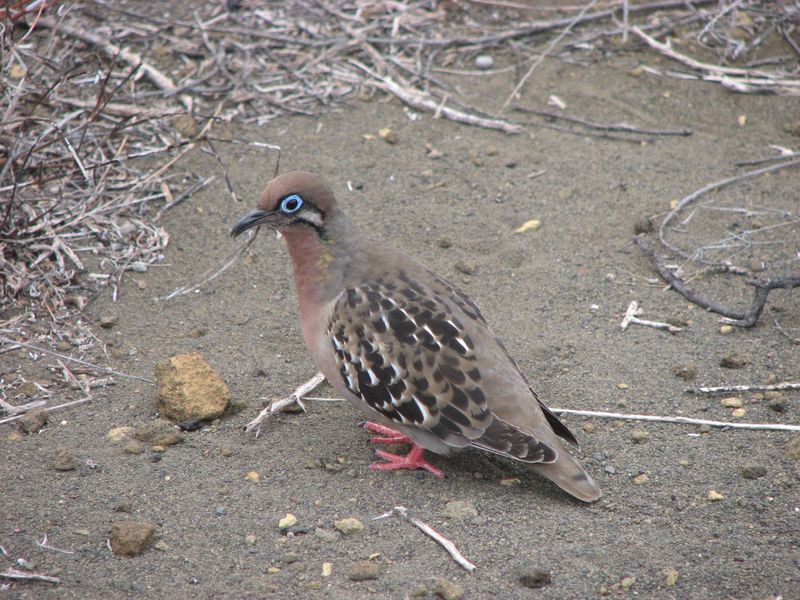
(403,349)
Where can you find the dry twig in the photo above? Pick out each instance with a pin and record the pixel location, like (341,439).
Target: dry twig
(294,398)
(402,511)
(687,420)
(724,389)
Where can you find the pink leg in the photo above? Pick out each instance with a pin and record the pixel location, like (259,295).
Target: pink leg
(392,436)
(415,459)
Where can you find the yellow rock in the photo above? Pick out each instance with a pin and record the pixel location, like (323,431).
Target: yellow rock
(671,577)
(738,412)
(287,521)
(187,387)
(253,476)
(715,496)
(726,329)
(641,479)
(531,225)
(732,402)
(327,569)
(510,481)
(118,433)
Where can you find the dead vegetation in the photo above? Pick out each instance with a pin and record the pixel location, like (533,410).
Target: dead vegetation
(100,102)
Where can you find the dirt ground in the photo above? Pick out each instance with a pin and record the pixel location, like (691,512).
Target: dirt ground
(555,296)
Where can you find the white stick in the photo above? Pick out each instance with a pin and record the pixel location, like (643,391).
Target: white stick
(630,317)
(293,398)
(5,340)
(744,388)
(51,408)
(14,574)
(402,511)
(610,415)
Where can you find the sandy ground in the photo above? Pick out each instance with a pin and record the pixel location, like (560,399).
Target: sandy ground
(555,295)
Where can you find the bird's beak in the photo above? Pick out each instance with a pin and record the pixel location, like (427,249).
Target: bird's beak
(255,217)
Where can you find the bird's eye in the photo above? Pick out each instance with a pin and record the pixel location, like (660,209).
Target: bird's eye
(291,204)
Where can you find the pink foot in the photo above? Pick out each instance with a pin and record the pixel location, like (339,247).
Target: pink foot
(413,460)
(392,436)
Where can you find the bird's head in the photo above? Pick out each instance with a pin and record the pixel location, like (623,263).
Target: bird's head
(292,200)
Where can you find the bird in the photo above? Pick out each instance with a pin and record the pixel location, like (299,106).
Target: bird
(406,346)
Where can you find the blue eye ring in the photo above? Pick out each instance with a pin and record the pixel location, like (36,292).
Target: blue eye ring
(291,204)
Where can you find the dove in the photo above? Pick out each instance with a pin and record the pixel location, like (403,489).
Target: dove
(406,346)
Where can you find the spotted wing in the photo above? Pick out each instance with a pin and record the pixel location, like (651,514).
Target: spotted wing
(404,351)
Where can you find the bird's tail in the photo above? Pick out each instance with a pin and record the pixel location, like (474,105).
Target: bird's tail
(570,476)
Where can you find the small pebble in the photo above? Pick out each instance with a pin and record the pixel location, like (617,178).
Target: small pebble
(133,447)
(643,225)
(734,361)
(467,268)
(250,540)
(671,577)
(444,242)
(777,405)
(348,526)
(685,372)
(32,421)
(290,557)
(387,135)
(273,570)
(738,412)
(253,476)
(287,521)
(510,481)
(117,434)
(610,470)
(129,538)
(363,571)
(108,321)
(627,582)
(226,451)
(220,511)
(641,479)
(589,427)
(640,436)
(535,578)
(327,569)
(715,496)
(731,402)
(531,225)
(753,471)
(726,329)
(623,386)
(161,545)
(64,460)
(484,61)
(448,590)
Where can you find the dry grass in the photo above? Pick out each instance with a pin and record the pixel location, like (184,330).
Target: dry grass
(99,102)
